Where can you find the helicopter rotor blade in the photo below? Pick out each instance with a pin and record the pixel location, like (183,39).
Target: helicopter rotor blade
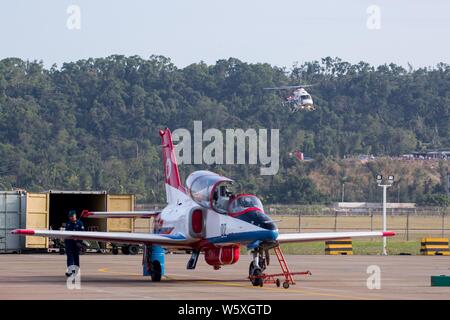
(289,87)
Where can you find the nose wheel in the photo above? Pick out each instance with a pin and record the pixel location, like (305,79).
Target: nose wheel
(256,277)
(256,268)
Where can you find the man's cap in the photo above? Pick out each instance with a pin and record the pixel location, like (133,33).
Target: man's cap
(72,213)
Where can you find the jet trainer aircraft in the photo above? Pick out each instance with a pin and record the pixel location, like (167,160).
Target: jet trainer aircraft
(203,216)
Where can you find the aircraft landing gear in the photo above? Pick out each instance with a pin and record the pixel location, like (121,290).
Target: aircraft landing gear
(256,277)
(155,270)
(256,268)
(153,262)
(258,265)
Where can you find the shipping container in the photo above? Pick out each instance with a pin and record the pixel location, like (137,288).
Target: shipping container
(12,216)
(48,210)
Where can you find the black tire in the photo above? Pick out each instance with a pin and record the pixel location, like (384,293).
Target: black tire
(133,250)
(83,249)
(115,250)
(286,285)
(125,250)
(257,281)
(156,271)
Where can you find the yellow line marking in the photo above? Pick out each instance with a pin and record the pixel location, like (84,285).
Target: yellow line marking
(106,270)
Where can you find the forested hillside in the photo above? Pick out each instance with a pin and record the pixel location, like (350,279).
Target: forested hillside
(93,124)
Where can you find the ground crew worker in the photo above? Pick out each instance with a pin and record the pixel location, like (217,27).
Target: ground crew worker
(73,246)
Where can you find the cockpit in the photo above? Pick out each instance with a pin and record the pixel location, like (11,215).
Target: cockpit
(243,202)
(209,190)
(213,191)
(306,97)
(248,207)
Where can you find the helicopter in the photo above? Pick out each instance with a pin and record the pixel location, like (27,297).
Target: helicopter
(299,99)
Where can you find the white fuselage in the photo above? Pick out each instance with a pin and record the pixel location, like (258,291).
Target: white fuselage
(303,97)
(219,229)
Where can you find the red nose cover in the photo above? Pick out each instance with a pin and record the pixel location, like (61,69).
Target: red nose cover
(222,255)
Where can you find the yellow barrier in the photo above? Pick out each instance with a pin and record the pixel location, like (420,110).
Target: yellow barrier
(342,246)
(434,247)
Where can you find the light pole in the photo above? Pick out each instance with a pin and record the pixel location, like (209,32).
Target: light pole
(384,186)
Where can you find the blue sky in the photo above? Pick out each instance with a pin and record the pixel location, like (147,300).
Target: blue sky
(278,32)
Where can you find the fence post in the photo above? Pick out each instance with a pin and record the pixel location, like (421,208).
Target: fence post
(371,219)
(407,226)
(335,220)
(443,223)
(299,221)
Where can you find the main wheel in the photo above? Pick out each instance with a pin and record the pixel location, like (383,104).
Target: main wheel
(115,250)
(285,284)
(156,271)
(278,283)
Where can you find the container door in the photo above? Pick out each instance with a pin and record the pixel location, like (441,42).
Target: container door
(124,202)
(3,218)
(10,219)
(37,217)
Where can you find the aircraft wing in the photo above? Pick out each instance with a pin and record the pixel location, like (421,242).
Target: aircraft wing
(118,214)
(119,237)
(321,236)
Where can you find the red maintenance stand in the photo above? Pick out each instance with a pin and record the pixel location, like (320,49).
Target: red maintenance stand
(286,273)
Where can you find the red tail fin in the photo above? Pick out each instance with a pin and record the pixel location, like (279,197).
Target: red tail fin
(171,174)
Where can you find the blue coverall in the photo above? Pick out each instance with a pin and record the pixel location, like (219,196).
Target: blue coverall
(73,246)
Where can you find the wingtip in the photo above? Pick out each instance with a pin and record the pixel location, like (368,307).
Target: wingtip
(85,214)
(388,234)
(23,231)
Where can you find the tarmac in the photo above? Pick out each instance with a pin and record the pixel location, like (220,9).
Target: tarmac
(41,276)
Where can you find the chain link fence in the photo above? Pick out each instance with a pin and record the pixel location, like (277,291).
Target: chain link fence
(409,224)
